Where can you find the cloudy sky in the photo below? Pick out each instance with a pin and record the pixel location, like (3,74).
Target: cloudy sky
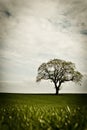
(35,31)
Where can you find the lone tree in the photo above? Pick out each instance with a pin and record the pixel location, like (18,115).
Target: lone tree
(58,71)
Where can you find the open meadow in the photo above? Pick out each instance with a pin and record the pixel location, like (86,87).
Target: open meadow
(43,112)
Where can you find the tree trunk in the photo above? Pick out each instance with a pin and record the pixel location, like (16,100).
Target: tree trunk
(57,88)
(57,91)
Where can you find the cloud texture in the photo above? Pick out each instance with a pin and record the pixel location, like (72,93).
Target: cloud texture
(34,31)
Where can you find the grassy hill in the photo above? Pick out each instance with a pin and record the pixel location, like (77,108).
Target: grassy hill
(43,112)
(60,100)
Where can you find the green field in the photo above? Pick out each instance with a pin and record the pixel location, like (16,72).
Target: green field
(43,112)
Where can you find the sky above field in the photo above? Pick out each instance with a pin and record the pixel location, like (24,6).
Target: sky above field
(35,31)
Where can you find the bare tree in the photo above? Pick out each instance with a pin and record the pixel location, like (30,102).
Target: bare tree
(58,71)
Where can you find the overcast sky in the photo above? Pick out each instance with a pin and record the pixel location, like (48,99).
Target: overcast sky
(35,31)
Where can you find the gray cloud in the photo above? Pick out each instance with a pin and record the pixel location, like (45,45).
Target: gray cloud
(33,32)
(84,32)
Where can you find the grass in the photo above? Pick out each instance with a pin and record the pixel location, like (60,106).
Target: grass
(43,112)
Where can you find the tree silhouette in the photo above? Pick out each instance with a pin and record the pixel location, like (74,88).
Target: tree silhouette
(58,71)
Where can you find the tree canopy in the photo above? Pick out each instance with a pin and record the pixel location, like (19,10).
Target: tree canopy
(58,71)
